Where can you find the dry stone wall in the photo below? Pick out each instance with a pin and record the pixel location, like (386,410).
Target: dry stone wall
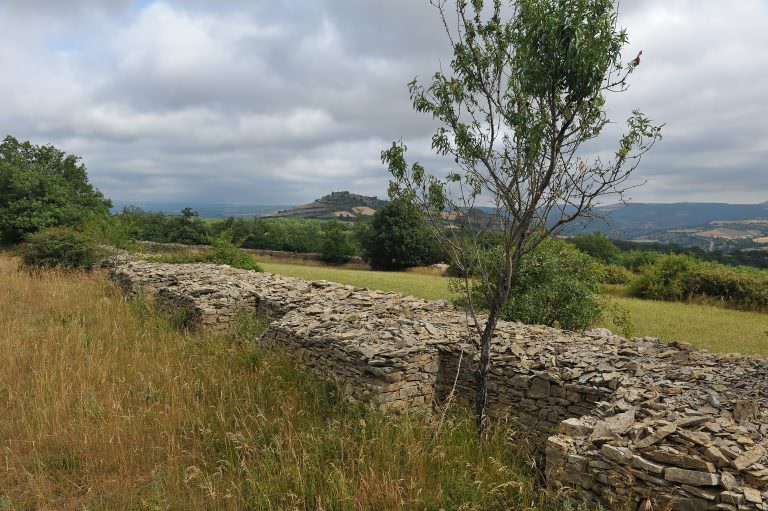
(152,246)
(630,423)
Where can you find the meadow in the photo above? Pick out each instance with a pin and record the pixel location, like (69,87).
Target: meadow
(108,405)
(706,326)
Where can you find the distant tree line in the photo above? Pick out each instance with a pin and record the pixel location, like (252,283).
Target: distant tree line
(46,199)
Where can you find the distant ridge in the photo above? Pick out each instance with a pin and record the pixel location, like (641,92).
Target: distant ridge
(707,225)
(337,205)
(637,218)
(206,210)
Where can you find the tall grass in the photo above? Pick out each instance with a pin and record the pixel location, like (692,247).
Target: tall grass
(105,406)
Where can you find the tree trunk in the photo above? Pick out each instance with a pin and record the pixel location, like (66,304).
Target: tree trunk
(481,374)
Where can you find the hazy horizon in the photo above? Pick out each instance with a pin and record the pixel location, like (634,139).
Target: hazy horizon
(117,204)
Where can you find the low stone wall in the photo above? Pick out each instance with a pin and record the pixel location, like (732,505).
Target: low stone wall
(631,423)
(152,246)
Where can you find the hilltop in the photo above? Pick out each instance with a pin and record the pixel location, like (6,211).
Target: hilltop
(337,205)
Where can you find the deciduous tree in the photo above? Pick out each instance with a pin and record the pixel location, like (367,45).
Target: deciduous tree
(525,91)
(42,186)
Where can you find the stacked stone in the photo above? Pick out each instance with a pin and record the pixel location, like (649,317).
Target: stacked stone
(686,430)
(366,340)
(638,422)
(154,247)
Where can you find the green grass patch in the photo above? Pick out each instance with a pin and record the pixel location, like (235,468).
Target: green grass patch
(431,287)
(713,328)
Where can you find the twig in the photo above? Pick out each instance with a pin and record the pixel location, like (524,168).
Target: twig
(450,395)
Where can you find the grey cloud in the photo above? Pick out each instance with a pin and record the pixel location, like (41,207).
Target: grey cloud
(279,102)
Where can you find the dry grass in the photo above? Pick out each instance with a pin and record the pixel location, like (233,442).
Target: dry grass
(106,406)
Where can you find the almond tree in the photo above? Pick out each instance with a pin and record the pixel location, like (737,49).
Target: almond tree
(525,91)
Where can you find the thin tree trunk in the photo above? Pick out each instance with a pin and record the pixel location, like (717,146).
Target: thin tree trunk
(481,374)
(483,368)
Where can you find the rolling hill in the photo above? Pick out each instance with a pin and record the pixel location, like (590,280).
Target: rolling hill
(336,205)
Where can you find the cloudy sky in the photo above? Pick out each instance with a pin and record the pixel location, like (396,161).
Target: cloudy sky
(281,101)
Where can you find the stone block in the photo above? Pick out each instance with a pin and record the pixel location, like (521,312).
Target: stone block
(691,477)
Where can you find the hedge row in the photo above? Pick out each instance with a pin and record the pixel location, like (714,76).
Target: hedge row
(679,277)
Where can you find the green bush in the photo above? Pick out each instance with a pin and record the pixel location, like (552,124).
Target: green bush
(337,245)
(737,287)
(109,230)
(558,286)
(666,279)
(222,252)
(634,260)
(616,275)
(679,277)
(59,247)
(597,245)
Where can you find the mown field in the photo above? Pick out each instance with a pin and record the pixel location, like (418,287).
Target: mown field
(706,326)
(109,406)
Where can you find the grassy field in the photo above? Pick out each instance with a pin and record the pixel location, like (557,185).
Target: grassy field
(431,287)
(705,326)
(709,327)
(106,406)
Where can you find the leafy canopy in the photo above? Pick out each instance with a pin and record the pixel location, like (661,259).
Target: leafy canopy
(41,186)
(598,246)
(398,239)
(337,244)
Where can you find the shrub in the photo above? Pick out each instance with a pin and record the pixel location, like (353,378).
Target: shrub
(635,259)
(337,246)
(222,252)
(619,317)
(59,247)
(679,277)
(737,287)
(666,279)
(109,230)
(616,275)
(597,245)
(558,286)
